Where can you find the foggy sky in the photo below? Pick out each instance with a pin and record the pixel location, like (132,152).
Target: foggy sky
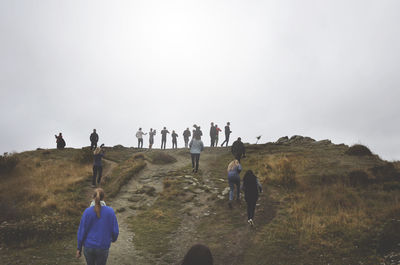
(324,69)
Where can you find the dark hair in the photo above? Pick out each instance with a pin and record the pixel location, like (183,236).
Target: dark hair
(198,255)
(249,178)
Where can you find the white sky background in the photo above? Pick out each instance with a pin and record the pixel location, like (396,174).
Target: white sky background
(324,69)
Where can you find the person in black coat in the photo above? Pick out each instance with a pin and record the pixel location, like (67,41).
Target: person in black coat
(251,188)
(60,141)
(238,150)
(213,134)
(227,134)
(94,138)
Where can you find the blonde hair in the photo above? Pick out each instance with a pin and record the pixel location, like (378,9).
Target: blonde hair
(98,196)
(97,151)
(233,164)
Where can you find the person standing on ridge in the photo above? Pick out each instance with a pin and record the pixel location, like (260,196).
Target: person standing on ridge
(97,229)
(197,131)
(238,150)
(94,138)
(227,134)
(174,140)
(234,169)
(196,147)
(164,137)
(60,141)
(217,130)
(97,165)
(139,135)
(186,135)
(213,134)
(151,137)
(251,187)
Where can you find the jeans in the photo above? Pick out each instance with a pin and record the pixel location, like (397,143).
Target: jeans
(95,256)
(174,144)
(226,140)
(93,145)
(163,142)
(235,180)
(186,142)
(97,170)
(195,161)
(140,142)
(251,207)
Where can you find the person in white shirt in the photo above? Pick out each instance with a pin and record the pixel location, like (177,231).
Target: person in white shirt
(139,135)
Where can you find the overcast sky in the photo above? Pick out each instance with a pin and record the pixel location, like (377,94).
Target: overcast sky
(324,69)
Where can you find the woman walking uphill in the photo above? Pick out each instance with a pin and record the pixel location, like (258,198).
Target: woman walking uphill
(196,147)
(234,169)
(251,188)
(98,228)
(97,165)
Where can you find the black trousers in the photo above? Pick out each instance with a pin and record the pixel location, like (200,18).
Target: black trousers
(163,142)
(212,141)
(93,145)
(251,207)
(97,170)
(174,144)
(140,142)
(226,140)
(195,161)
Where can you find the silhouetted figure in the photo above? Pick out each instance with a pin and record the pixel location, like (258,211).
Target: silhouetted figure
(94,138)
(238,150)
(213,134)
(164,137)
(174,140)
(196,147)
(251,187)
(217,130)
(227,134)
(186,135)
(151,137)
(197,131)
(234,169)
(60,141)
(198,255)
(97,229)
(139,136)
(97,165)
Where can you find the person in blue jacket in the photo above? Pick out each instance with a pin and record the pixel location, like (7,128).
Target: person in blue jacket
(234,169)
(98,228)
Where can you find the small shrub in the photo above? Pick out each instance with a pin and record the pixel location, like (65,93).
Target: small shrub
(285,174)
(358,150)
(386,172)
(8,162)
(358,178)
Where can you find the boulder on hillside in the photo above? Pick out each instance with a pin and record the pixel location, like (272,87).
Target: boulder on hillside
(323,142)
(358,150)
(282,140)
(298,139)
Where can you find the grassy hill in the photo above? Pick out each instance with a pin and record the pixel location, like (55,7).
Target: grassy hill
(322,203)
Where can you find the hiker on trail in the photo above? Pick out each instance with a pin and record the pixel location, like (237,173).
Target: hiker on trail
(238,149)
(197,131)
(164,137)
(60,141)
(198,255)
(227,133)
(139,136)
(97,165)
(251,187)
(94,138)
(174,141)
(213,134)
(234,169)
(186,135)
(97,229)
(196,147)
(151,137)
(217,130)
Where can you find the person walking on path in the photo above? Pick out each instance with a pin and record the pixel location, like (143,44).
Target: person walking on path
(94,138)
(174,140)
(217,130)
(151,137)
(213,134)
(186,135)
(97,165)
(97,229)
(60,141)
(251,187)
(196,147)
(238,150)
(234,169)
(198,255)
(164,137)
(139,136)
(227,134)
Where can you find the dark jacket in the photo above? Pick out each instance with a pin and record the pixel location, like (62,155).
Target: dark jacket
(213,131)
(251,187)
(94,137)
(227,130)
(60,142)
(238,149)
(186,134)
